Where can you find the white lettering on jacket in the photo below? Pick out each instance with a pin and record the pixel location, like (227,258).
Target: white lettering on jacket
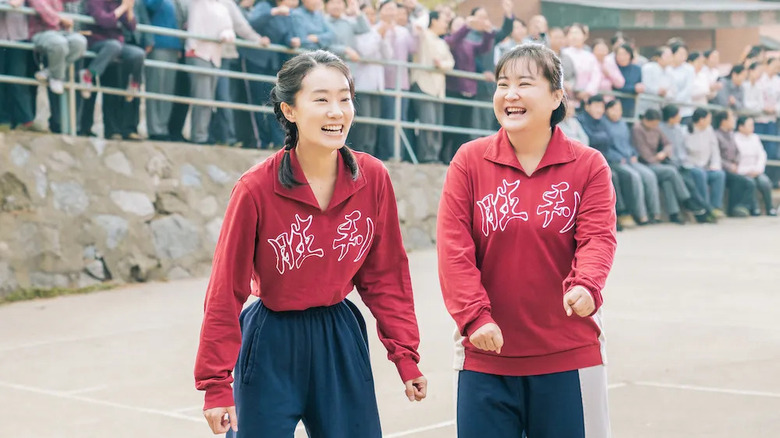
(497,210)
(350,236)
(293,248)
(553,206)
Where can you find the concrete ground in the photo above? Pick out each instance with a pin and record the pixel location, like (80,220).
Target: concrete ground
(694,348)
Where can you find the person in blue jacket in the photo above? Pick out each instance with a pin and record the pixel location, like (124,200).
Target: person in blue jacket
(632,73)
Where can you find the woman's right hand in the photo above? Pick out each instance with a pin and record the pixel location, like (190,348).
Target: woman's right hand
(488,338)
(218,422)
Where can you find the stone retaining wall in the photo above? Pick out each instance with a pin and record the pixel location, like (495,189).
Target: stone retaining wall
(75,212)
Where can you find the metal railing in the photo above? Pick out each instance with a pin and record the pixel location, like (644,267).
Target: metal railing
(68,111)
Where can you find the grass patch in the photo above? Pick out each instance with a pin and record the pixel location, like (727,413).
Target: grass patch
(33,294)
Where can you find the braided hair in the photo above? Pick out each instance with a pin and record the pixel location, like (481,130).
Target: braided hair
(288,84)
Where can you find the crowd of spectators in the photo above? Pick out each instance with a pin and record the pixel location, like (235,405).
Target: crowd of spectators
(686,154)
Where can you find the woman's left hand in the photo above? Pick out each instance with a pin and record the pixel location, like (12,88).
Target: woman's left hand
(416,389)
(578,300)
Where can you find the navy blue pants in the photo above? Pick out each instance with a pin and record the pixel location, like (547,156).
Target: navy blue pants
(571,404)
(311,365)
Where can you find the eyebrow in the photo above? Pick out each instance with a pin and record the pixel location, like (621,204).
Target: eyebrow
(323,91)
(518,77)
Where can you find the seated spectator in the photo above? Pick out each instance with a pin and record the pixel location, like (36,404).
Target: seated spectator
(700,155)
(588,74)
(632,74)
(309,25)
(655,150)
(219,19)
(760,101)
(683,77)
(731,94)
(741,188)
(169,14)
(595,126)
(752,164)
(108,41)
(639,183)
(16,101)
(276,23)
(433,52)
(54,38)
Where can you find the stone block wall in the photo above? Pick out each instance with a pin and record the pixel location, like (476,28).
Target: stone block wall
(76,212)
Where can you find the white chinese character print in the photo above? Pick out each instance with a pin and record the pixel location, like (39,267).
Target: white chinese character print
(293,248)
(553,206)
(350,236)
(497,210)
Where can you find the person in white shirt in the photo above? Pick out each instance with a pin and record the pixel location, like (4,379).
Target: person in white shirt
(702,89)
(683,75)
(759,101)
(657,79)
(703,161)
(752,164)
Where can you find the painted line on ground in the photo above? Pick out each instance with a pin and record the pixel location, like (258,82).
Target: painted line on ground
(86,390)
(67,396)
(83,338)
(708,389)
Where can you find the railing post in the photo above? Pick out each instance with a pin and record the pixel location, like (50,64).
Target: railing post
(72,115)
(397,128)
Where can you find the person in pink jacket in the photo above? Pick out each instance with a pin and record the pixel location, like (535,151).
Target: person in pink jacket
(526,238)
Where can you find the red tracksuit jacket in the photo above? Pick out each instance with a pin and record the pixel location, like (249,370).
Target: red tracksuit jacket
(300,257)
(510,246)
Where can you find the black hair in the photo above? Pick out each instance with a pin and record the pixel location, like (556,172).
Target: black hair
(693,56)
(365,6)
(474,11)
(718,118)
(708,53)
(612,103)
(288,84)
(668,112)
(737,69)
(651,115)
(698,115)
(433,15)
(383,3)
(742,120)
(754,66)
(548,64)
(659,52)
(594,99)
(519,20)
(628,49)
(676,48)
(615,38)
(598,41)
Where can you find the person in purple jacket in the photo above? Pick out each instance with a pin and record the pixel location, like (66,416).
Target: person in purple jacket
(465,52)
(108,41)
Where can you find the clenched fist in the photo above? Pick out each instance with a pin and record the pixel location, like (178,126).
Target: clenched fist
(578,300)
(488,338)
(222,419)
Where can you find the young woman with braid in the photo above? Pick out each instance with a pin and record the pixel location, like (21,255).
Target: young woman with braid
(301,230)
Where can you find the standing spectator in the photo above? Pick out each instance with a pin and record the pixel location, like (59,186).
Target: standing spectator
(418,15)
(741,188)
(657,79)
(485,118)
(464,51)
(712,67)
(683,76)
(369,79)
(655,151)
(557,43)
(632,75)
(537,31)
(171,14)
(370,12)
(588,68)
(759,100)
(731,94)
(347,24)
(404,45)
(611,78)
(16,101)
(220,20)
(700,155)
(519,32)
(54,38)
(222,128)
(108,41)
(276,23)
(433,52)
(702,86)
(752,164)
(309,25)
(639,183)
